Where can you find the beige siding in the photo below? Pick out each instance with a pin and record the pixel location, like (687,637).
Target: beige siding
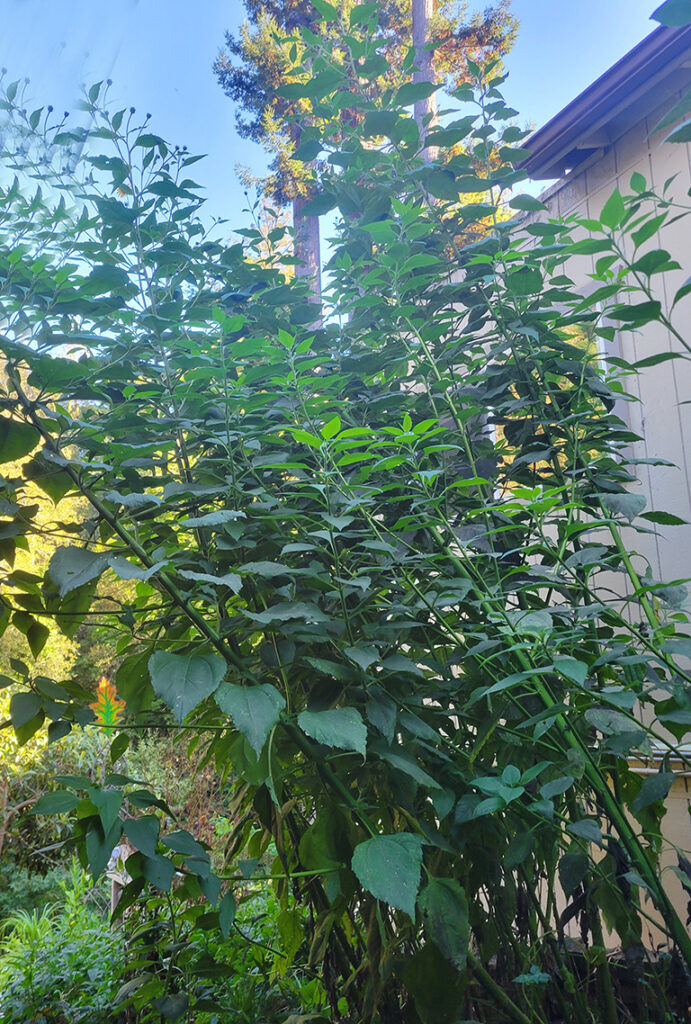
(662,415)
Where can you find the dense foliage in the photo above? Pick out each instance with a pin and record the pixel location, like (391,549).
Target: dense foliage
(255,65)
(382,561)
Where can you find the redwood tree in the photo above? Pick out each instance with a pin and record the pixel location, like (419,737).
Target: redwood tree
(257,62)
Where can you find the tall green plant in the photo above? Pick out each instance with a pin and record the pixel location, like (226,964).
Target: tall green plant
(419,647)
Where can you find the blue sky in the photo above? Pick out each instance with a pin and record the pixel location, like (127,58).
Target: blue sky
(159,54)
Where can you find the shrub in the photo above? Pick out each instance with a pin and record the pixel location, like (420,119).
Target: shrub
(62,964)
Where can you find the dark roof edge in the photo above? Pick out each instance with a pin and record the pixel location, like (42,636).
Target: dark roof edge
(559,135)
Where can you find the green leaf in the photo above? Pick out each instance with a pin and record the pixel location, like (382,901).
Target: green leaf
(573,867)
(527,281)
(556,787)
(129,571)
(182,681)
(148,141)
(338,727)
(536,623)
(648,229)
(291,931)
(389,868)
(412,92)
(255,710)
(108,803)
(627,505)
(226,914)
(673,13)
(143,833)
(99,845)
(572,669)
(655,787)
(183,842)
(59,802)
(682,133)
(172,1007)
(159,871)
(326,10)
(307,151)
(37,635)
(72,567)
(52,480)
(683,291)
(318,205)
(664,519)
(529,204)
(24,707)
(381,712)
(233,580)
(16,439)
(587,829)
(105,279)
(219,518)
(331,428)
(637,314)
(362,656)
(445,917)
(400,759)
(361,14)
(614,210)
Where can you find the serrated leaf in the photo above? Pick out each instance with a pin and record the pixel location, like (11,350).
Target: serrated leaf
(219,518)
(72,567)
(182,681)
(444,910)
(573,867)
(626,505)
(655,787)
(327,11)
(389,868)
(230,579)
(127,570)
(338,727)
(255,710)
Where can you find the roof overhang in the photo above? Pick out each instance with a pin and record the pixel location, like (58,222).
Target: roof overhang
(581,128)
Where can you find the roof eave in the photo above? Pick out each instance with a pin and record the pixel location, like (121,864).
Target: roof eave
(580,121)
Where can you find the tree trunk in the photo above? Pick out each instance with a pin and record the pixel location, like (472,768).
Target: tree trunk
(425,110)
(307,248)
